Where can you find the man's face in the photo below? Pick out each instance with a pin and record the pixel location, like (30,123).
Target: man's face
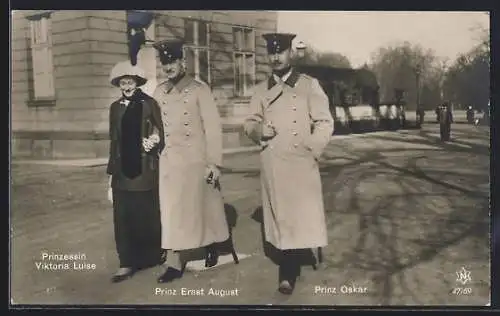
(173,69)
(128,86)
(279,61)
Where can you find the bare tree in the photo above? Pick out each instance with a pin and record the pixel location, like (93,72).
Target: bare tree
(467,81)
(410,68)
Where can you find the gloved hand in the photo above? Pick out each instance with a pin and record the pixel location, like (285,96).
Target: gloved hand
(212,174)
(268,131)
(150,142)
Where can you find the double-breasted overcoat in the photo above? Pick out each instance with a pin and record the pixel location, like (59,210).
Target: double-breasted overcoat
(292,198)
(192,211)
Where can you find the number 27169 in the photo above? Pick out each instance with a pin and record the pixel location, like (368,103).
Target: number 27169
(462,291)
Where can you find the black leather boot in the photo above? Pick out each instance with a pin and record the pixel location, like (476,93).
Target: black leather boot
(169,275)
(212,256)
(288,273)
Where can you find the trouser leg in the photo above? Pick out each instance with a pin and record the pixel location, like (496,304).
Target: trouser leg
(289,268)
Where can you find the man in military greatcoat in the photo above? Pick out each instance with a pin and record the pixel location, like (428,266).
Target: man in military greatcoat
(192,209)
(291,120)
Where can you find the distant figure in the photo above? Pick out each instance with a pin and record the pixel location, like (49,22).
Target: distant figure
(470,115)
(445,120)
(421,116)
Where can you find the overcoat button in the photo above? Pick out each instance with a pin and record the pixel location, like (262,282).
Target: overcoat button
(185,100)
(295,133)
(186,123)
(185,113)
(295,145)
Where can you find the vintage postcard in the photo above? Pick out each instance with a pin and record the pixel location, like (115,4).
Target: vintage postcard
(250,158)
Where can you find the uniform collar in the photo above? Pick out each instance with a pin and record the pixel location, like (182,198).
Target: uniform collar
(290,79)
(179,86)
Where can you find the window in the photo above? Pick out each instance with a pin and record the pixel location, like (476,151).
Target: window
(197,49)
(244,60)
(41,52)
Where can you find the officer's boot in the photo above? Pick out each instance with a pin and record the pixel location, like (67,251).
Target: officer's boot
(174,268)
(212,256)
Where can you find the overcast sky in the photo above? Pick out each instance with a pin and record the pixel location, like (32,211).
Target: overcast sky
(358,34)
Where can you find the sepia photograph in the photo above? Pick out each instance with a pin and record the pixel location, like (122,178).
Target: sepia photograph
(263,158)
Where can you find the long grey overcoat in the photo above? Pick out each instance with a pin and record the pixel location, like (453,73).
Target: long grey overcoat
(192,211)
(292,198)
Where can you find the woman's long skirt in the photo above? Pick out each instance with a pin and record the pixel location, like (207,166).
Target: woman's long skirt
(137,228)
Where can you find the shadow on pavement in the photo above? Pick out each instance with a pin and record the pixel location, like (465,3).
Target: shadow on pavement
(225,247)
(413,221)
(231,213)
(305,257)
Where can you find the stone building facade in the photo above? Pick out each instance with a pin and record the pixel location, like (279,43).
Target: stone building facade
(61,61)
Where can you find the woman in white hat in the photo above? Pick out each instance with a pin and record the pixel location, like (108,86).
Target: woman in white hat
(136,139)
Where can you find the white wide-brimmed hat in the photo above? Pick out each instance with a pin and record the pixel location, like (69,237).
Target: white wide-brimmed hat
(126,69)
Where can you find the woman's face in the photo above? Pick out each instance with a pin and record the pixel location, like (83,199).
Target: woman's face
(128,86)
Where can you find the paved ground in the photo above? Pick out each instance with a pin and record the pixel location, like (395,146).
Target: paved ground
(405,213)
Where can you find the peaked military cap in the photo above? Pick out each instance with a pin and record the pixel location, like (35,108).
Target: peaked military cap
(169,50)
(278,42)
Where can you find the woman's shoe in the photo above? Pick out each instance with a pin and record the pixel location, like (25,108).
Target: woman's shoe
(122,274)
